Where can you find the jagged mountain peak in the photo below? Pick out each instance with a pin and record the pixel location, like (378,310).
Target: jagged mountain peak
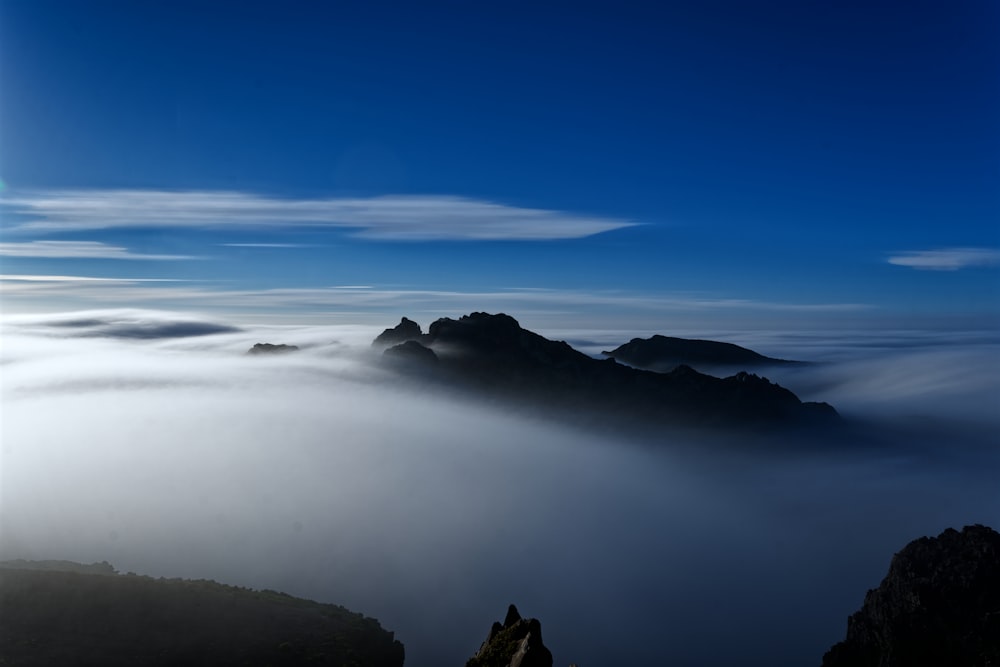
(493,355)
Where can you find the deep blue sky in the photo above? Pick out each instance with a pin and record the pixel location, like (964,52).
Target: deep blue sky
(780,162)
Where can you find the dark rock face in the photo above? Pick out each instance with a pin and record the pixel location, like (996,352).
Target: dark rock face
(406,330)
(268,348)
(664,353)
(515,643)
(938,605)
(492,355)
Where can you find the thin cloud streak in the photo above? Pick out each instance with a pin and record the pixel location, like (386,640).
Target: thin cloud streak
(119,291)
(79,250)
(266,245)
(947,259)
(384,218)
(38,278)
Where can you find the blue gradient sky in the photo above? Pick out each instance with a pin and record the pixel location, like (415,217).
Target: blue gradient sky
(657,165)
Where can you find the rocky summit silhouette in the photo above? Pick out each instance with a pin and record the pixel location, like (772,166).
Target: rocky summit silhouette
(517,642)
(938,605)
(493,356)
(664,353)
(406,330)
(270,348)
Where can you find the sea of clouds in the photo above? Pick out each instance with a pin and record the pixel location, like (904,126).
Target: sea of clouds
(153,441)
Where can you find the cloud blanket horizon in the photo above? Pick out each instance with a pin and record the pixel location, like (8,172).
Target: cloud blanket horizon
(151,440)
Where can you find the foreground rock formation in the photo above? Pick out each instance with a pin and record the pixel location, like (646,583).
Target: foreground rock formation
(492,356)
(517,642)
(938,605)
(70,614)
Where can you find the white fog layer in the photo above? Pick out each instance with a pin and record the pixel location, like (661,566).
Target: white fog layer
(152,441)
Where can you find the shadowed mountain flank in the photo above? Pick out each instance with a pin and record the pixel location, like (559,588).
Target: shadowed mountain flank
(938,605)
(90,615)
(664,353)
(492,355)
(517,642)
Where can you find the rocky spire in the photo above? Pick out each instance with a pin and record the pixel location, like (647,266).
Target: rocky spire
(515,643)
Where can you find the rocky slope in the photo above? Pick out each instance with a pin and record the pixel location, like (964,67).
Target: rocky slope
(938,605)
(493,356)
(71,614)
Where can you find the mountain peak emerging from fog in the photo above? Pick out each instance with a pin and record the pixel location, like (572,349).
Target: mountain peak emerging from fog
(272,348)
(406,330)
(664,353)
(493,355)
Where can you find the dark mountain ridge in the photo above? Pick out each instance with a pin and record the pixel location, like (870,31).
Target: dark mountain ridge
(63,613)
(271,348)
(664,353)
(494,357)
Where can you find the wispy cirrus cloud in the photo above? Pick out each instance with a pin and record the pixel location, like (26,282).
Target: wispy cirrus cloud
(78,250)
(946,259)
(365,300)
(41,278)
(387,218)
(265,245)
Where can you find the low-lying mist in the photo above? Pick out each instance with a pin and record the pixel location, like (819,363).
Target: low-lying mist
(154,442)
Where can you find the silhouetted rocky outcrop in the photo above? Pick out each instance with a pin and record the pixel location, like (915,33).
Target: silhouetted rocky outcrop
(517,642)
(938,605)
(492,355)
(268,348)
(664,353)
(406,330)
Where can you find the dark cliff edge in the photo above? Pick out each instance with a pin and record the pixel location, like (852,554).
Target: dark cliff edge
(665,353)
(492,356)
(63,613)
(938,605)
